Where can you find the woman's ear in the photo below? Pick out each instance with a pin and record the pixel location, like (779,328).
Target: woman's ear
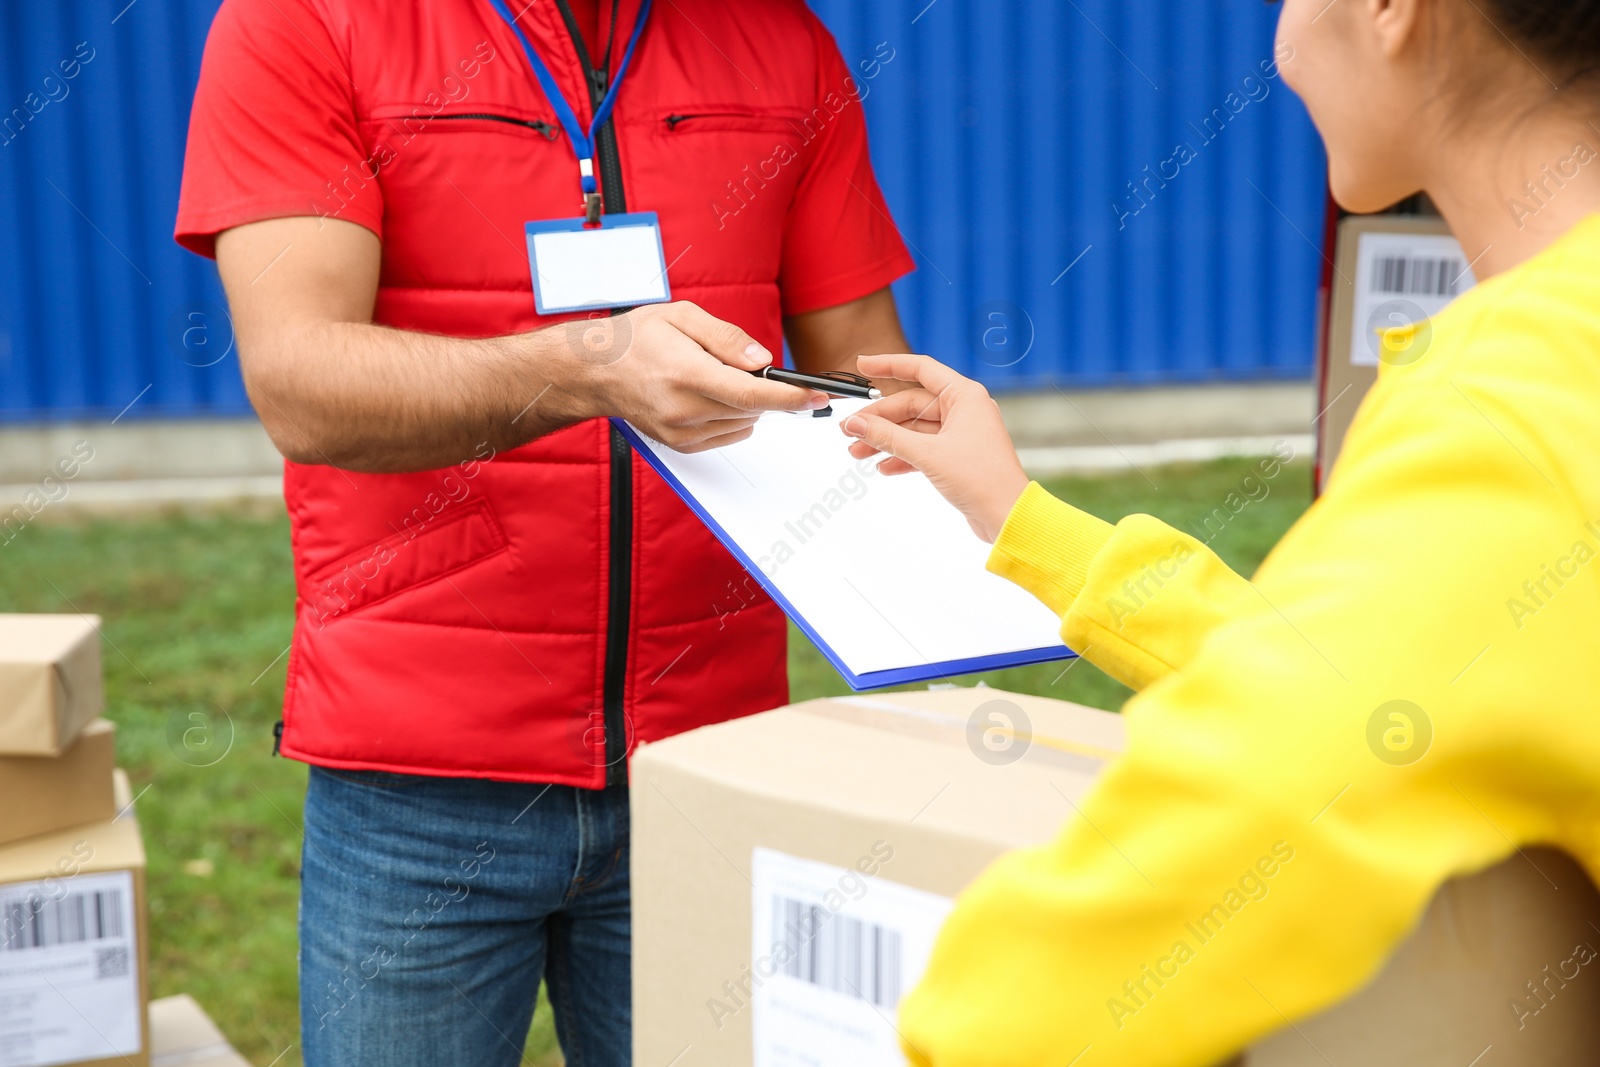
(1394,22)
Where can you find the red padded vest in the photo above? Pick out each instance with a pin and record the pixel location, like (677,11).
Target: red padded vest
(532,615)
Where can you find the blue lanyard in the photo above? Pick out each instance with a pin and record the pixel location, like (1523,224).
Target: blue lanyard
(582,140)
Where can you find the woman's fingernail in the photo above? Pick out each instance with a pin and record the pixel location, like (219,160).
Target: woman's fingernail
(854,426)
(754,350)
(817,402)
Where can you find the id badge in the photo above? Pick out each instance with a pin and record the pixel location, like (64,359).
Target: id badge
(619,263)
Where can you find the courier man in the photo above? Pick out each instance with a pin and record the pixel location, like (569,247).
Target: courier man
(448,231)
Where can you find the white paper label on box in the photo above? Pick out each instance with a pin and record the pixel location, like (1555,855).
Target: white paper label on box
(69,981)
(1400,279)
(833,951)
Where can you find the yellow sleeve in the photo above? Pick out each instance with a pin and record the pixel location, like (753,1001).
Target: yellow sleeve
(1135,599)
(1374,717)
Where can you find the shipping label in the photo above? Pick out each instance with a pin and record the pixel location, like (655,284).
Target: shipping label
(69,982)
(1401,279)
(833,951)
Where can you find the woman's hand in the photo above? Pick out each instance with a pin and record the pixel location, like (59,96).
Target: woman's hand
(947,427)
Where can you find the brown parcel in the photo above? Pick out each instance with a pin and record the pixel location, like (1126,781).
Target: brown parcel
(50,685)
(39,794)
(1343,383)
(73,945)
(848,780)
(182,1035)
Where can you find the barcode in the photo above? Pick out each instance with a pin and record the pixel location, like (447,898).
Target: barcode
(73,919)
(1427,276)
(111,962)
(838,953)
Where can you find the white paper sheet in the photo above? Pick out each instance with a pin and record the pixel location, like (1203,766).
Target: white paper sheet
(883,571)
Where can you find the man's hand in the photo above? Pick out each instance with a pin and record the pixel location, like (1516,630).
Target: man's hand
(679,374)
(947,427)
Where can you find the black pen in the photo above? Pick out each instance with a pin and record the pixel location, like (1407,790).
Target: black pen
(836,382)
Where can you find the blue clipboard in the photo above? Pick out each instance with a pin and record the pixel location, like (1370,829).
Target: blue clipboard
(930,672)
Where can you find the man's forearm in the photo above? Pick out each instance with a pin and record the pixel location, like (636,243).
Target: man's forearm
(333,388)
(832,338)
(386,400)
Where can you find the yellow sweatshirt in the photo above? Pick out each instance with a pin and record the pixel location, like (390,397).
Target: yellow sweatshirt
(1408,689)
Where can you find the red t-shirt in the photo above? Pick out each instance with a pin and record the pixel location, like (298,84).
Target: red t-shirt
(294,96)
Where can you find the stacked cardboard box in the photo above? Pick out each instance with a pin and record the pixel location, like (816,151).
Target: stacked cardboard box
(791,870)
(1389,270)
(182,1035)
(73,952)
(39,794)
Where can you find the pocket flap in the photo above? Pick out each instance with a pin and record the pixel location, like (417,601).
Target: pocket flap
(416,554)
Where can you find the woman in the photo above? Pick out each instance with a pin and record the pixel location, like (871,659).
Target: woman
(1409,689)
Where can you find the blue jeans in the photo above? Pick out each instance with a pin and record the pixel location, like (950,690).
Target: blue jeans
(431,907)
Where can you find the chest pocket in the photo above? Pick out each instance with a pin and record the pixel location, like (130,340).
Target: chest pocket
(457,186)
(732,169)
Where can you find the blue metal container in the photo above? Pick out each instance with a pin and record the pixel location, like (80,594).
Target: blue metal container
(1097,192)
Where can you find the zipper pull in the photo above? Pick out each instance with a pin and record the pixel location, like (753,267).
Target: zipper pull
(599,78)
(673,120)
(277,736)
(545,128)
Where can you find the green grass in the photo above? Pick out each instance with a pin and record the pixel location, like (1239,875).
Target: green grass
(198,611)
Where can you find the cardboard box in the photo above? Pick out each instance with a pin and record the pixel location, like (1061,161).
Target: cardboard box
(74,946)
(50,685)
(182,1035)
(1483,970)
(844,827)
(1388,269)
(882,789)
(39,794)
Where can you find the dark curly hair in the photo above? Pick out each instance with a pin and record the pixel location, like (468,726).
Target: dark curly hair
(1566,32)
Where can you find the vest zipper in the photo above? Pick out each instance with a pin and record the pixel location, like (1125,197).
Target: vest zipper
(619,599)
(545,128)
(673,120)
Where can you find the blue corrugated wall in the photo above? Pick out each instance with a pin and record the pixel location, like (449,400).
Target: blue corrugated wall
(1012,138)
